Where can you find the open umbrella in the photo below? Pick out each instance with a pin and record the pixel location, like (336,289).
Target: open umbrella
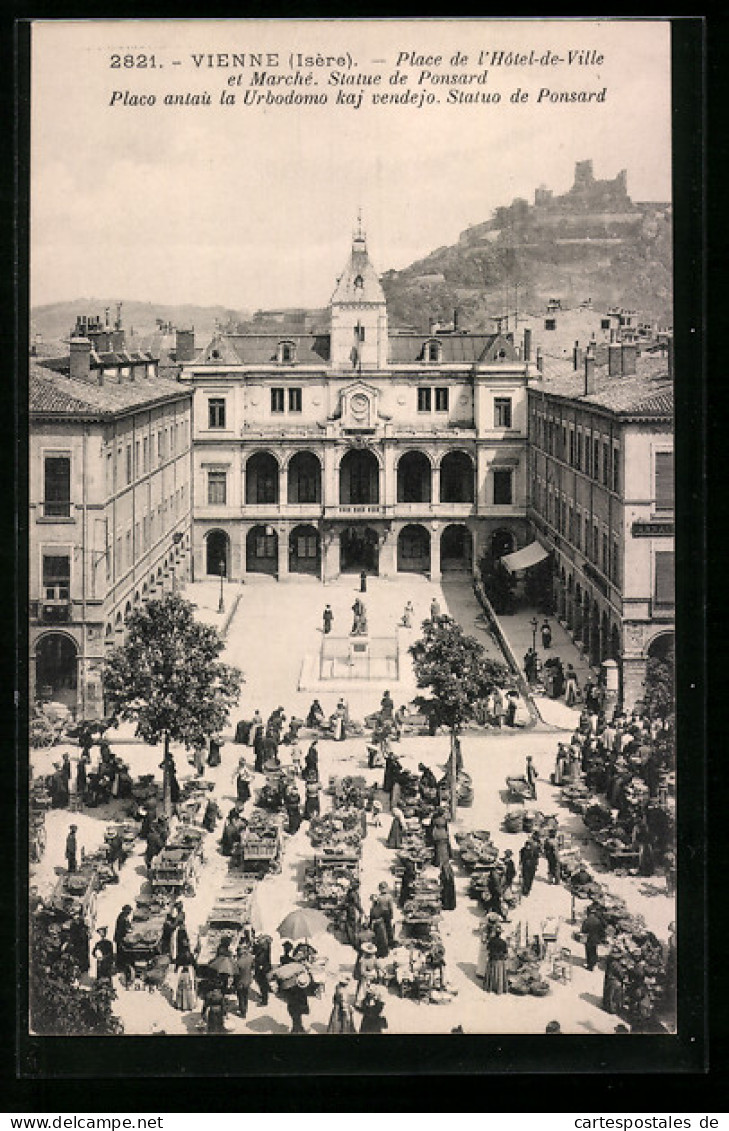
(303,924)
(223,964)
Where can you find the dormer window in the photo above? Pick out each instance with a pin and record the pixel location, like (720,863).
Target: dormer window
(358,283)
(286,353)
(434,351)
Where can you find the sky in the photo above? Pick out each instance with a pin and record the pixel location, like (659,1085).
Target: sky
(254,206)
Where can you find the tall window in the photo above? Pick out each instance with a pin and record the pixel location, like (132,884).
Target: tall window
(578,454)
(572,448)
(57,487)
(294,400)
(502,412)
(605,465)
(441,400)
(217,488)
(145,455)
(502,487)
(56,577)
(595,544)
(616,470)
(605,559)
(216,412)
(129,463)
(664,481)
(434,351)
(424,400)
(665,582)
(277,400)
(615,571)
(596,458)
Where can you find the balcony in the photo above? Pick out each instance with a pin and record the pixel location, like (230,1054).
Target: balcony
(357,510)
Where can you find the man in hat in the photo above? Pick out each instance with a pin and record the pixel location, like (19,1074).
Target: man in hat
(71,849)
(243,976)
(531,775)
(122,928)
(528,858)
(297,1001)
(262,965)
(594,933)
(327,618)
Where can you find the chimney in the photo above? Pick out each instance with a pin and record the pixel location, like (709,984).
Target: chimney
(577,357)
(630,353)
(615,366)
(80,358)
(117,340)
(527,344)
(590,382)
(106,316)
(670,358)
(540,361)
(118,324)
(185,345)
(455,319)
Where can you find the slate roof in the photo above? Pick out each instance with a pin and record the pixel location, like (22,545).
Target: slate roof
(470,349)
(262,349)
(358,270)
(50,393)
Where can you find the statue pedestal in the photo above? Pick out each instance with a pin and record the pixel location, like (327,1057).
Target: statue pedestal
(359,656)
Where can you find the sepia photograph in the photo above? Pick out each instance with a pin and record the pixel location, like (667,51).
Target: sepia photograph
(351,582)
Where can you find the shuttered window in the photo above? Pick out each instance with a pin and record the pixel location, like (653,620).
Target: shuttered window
(664,481)
(665,582)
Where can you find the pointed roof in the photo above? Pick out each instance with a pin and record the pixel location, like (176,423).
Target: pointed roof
(359,282)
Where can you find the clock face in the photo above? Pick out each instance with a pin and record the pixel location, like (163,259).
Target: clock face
(360,406)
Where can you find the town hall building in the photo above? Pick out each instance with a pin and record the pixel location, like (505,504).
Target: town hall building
(360,447)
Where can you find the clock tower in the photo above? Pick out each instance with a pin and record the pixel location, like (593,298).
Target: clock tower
(359,314)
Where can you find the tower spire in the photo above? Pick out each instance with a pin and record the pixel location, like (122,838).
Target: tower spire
(359,234)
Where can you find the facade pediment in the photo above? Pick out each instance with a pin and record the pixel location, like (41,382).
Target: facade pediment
(359,406)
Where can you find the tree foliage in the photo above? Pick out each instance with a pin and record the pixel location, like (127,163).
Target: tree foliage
(59,1004)
(659,697)
(166,676)
(454,667)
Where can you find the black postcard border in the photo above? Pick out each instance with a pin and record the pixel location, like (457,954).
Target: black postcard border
(157,1073)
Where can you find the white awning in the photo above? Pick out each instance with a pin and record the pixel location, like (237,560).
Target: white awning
(529,556)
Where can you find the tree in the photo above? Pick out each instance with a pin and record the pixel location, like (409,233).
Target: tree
(458,674)
(59,1004)
(166,677)
(659,699)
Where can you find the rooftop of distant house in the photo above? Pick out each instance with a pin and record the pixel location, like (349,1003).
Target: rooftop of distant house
(52,392)
(645,394)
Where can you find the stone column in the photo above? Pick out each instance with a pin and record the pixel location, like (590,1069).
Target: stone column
(435,533)
(282,480)
(388,484)
(242,533)
(633,672)
(330,478)
(283,552)
(388,555)
(435,486)
(330,555)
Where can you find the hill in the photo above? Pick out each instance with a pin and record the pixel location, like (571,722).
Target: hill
(591,242)
(140,319)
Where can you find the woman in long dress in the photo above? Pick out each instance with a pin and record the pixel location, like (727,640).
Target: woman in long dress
(185,994)
(394,839)
(441,842)
(495,980)
(341,1019)
(447,887)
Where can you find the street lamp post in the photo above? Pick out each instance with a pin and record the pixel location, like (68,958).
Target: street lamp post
(221,602)
(535,625)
